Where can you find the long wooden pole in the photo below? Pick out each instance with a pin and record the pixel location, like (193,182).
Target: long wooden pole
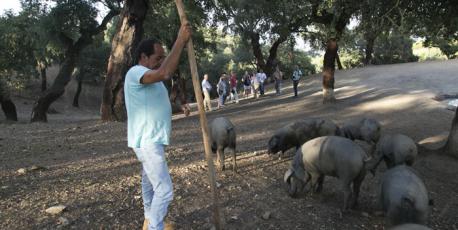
(203,118)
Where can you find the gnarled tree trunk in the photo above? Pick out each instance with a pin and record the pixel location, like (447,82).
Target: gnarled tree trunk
(266,66)
(339,64)
(451,146)
(79,79)
(63,77)
(58,87)
(128,35)
(328,71)
(8,106)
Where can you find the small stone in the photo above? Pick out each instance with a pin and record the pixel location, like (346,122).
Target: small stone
(234,217)
(38,167)
(5,186)
(309,206)
(365,214)
(21,171)
(266,215)
(63,221)
(56,209)
(218,185)
(34,167)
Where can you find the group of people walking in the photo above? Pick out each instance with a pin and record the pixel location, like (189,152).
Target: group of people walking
(253,84)
(227,86)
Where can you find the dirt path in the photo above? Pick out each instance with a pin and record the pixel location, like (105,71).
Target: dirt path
(88,167)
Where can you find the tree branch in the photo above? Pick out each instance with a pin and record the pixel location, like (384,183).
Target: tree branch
(106,19)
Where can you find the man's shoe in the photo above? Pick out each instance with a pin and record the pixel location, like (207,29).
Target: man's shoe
(145,224)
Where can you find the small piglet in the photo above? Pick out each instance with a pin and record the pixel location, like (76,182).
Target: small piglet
(328,156)
(222,134)
(297,133)
(395,150)
(403,196)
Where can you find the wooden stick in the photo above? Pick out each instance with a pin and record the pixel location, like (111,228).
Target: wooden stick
(203,118)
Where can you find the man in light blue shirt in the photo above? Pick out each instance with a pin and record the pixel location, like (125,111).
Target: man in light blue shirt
(149,121)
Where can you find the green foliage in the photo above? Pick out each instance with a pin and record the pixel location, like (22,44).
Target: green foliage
(393,47)
(34,37)
(427,53)
(111,29)
(229,55)
(163,23)
(262,22)
(268,18)
(67,20)
(448,47)
(19,43)
(389,47)
(92,63)
(13,57)
(351,58)
(351,49)
(288,59)
(438,24)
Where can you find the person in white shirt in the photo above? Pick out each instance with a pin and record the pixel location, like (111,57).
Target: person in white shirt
(261,76)
(256,84)
(206,88)
(297,74)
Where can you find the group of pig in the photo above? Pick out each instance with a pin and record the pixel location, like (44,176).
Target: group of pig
(325,149)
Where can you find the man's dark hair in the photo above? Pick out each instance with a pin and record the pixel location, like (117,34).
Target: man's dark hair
(145,47)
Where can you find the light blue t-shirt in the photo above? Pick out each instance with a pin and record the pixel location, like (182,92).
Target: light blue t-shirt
(149,112)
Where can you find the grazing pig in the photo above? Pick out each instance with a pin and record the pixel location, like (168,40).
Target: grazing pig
(403,196)
(222,136)
(328,156)
(297,133)
(410,227)
(366,129)
(395,150)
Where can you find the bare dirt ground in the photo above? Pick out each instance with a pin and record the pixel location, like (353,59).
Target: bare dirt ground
(85,165)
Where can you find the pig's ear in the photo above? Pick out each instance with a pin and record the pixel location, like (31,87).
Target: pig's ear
(287,176)
(290,183)
(298,167)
